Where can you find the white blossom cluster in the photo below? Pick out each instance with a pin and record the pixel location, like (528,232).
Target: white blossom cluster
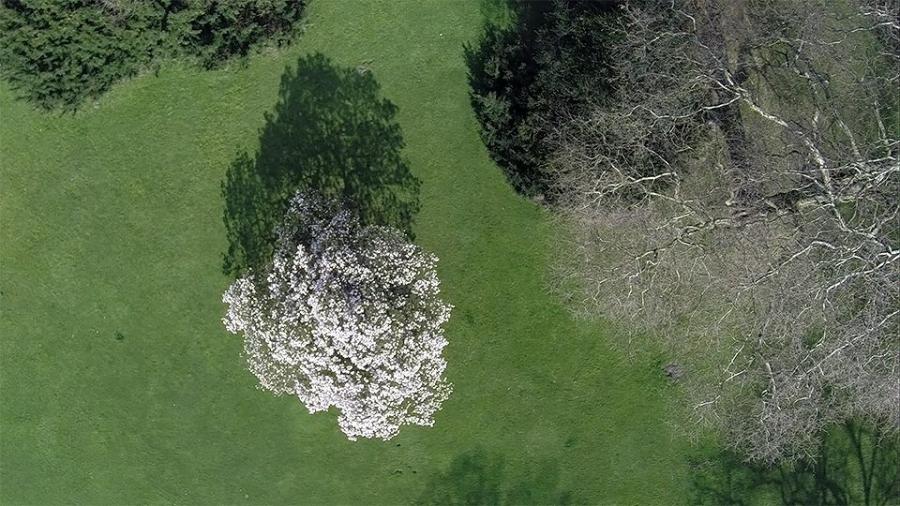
(346,316)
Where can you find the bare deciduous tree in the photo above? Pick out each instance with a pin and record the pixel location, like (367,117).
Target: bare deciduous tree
(741,197)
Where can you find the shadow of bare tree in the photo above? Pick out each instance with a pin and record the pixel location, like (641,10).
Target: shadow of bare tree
(330,132)
(855,465)
(479,478)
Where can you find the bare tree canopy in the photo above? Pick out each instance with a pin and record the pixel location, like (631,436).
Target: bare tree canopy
(740,196)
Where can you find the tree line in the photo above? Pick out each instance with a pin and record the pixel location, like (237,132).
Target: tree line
(59,53)
(725,174)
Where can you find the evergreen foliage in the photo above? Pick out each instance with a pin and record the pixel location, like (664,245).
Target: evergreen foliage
(222,29)
(59,53)
(525,78)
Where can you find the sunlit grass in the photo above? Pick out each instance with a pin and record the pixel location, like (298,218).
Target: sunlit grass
(119,384)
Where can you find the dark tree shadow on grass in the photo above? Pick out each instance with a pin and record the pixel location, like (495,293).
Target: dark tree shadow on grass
(330,132)
(479,478)
(855,466)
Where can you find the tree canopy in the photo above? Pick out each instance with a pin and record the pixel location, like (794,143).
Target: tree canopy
(348,316)
(527,77)
(59,53)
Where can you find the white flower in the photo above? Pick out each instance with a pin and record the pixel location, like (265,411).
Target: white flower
(346,316)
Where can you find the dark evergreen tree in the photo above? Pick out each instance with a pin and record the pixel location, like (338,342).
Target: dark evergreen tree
(525,78)
(221,29)
(59,53)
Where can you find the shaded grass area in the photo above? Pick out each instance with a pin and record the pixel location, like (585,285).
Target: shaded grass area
(119,384)
(331,132)
(477,477)
(856,464)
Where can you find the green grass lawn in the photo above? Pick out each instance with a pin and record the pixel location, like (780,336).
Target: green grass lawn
(120,385)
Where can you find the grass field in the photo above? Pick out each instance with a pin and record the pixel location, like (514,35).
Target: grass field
(120,386)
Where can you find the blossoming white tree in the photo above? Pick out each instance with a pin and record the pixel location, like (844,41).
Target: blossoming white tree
(346,316)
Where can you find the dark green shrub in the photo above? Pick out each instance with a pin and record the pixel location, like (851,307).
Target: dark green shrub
(59,53)
(526,77)
(225,28)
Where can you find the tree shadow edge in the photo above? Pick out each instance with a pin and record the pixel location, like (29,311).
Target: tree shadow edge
(856,464)
(479,477)
(330,132)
